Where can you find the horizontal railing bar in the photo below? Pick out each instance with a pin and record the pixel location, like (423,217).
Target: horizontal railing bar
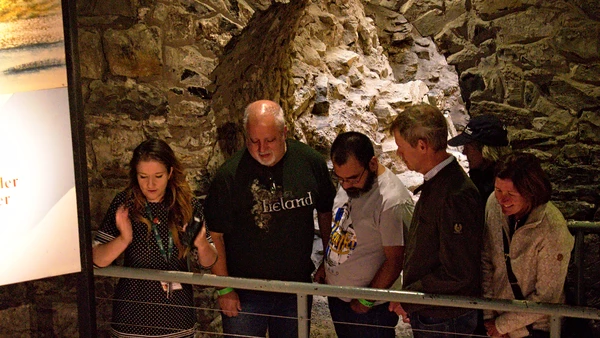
(350,292)
(586,226)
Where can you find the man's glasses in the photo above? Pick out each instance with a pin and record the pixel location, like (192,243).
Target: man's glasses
(351,180)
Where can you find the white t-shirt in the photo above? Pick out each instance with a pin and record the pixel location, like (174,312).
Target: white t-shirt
(363,226)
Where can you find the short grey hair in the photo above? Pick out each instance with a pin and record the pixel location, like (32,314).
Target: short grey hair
(269,107)
(422,122)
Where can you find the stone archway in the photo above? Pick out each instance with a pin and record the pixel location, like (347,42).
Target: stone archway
(337,66)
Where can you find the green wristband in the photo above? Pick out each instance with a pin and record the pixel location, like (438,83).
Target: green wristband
(366,302)
(224,291)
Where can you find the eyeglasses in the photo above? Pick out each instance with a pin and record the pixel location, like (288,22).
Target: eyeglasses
(351,181)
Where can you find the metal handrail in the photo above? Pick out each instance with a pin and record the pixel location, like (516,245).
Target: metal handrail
(580,228)
(304,289)
(585,226)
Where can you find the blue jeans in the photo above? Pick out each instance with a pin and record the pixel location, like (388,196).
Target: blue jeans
(379,322)
(429,327)
(262,311)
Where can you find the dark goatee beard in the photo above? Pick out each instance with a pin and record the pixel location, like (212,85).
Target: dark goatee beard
(357,192)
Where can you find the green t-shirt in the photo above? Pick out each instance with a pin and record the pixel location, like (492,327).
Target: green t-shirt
(266,213)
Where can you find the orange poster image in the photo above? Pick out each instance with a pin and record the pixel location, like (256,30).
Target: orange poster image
(32,49)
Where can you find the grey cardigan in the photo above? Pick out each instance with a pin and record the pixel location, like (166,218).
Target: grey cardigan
(539,251)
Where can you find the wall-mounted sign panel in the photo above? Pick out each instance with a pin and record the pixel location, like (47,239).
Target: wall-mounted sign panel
(38,208)
(39,235)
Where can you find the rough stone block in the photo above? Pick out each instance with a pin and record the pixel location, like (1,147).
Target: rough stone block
(16,322)
(133,52)
(91,58)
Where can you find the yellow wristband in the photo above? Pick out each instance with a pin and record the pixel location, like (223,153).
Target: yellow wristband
(224,291)
(366,302)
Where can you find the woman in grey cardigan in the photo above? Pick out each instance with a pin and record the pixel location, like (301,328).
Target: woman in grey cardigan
(521,221)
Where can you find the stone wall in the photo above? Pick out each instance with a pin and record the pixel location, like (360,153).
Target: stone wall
(536,65)
(45,308)
(184,70)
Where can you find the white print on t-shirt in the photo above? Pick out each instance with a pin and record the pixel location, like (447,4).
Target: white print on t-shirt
(268,200)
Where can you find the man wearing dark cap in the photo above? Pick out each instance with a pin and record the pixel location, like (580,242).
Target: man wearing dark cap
(484,141)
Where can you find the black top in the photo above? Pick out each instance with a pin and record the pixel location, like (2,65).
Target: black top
(141,307)
(266,213)
(483,180)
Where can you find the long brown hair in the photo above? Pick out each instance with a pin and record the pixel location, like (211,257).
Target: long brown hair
(178,194)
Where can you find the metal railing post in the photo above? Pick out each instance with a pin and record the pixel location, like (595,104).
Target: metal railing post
(555,326)
(303,315)
(578,259)
(580,229)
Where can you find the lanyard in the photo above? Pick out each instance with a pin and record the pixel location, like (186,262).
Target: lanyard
(155,222)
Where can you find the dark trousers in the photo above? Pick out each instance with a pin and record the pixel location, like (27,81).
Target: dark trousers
(430,327)
(262,311)
(480,329)
(539,334)
(379,322)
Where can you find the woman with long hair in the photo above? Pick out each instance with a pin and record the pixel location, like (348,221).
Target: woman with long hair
(157,224)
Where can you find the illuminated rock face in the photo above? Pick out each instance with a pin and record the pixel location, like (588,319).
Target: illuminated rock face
(184,71)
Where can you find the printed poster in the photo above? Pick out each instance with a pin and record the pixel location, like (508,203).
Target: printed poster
(39,235)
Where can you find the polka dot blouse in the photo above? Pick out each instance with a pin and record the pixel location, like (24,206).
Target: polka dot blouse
(142,307)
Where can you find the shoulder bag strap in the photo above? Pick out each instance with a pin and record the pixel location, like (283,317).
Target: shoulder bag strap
(512,279)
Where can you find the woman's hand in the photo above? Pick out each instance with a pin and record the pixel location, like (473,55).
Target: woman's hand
(104,254)
(207,253)
(124,224)
(201,240)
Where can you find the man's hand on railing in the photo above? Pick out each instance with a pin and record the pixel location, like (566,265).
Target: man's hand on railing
(397,307)
(319,276)
(230,304)
(492,331)
(358,307)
